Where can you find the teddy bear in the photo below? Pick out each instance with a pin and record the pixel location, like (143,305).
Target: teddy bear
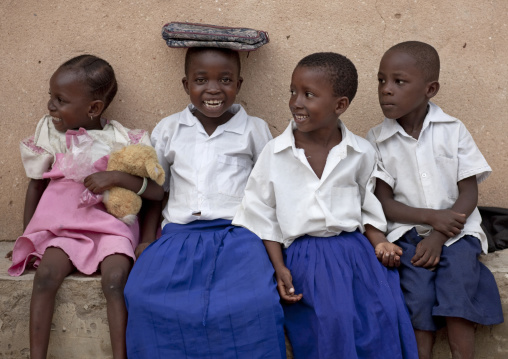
(138,160)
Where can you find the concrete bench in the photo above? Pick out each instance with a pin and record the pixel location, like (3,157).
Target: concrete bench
(80,328)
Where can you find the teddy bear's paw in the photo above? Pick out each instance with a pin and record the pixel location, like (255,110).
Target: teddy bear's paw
(156,173)
(129,219)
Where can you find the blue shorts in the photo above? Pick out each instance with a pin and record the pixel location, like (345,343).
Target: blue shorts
(460,286)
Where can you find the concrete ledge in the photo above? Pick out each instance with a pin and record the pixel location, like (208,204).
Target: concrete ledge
(80,326)
(79,329)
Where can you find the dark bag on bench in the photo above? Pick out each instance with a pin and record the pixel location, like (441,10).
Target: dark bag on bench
(495,226)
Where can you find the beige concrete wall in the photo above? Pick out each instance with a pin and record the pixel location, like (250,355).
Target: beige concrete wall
(37,36)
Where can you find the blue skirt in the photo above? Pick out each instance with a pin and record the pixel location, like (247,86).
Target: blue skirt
(204,290)
(352,306)
(460,286)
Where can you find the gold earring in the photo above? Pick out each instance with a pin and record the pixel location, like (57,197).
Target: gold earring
(91,118)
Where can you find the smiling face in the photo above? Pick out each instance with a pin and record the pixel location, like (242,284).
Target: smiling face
(313,103)
(403,91)
(212,81)
(70,102)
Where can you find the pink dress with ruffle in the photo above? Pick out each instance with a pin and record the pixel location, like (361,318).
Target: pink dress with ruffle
(87,234)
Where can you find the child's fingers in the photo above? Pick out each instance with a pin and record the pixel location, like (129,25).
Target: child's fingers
(462,218)
(397,261)
(288,297)
(425,261)
(385,260)
(419,258)
(432,262)
(391,261)
(287,290)
(288,285)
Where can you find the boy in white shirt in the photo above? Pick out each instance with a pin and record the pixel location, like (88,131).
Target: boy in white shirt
(205,288)
(311,192)
(427,182)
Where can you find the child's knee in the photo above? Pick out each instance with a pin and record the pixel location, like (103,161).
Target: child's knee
(47,279)
(113,282)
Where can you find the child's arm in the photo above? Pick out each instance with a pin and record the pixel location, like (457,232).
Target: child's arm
(101,181)
(36,188)
(282,273)
(428,251)
(450,222)
(150,221)
(387,253)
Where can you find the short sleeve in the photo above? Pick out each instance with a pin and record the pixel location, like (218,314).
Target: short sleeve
(257,211)
(379,170)
(262,137)
(372,210)
(471,160)
(36,160)
(159,140)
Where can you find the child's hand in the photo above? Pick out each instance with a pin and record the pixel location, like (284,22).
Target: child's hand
(388,254)
(99,182)
(446,221)
(285,286)
(140,248)
(428,251)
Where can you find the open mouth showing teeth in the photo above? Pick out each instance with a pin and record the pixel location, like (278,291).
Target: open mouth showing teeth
(56,119)
(300,118)
(212,103)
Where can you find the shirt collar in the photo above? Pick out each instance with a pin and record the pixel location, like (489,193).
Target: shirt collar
(287,139)
(391,127)
(236,124)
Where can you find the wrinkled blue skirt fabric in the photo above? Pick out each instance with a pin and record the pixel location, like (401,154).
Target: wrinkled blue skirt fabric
(352,306)
(204,290)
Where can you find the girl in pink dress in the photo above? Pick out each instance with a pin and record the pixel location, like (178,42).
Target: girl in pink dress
(65,231)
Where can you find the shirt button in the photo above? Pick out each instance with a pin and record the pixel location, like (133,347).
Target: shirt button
(424,175)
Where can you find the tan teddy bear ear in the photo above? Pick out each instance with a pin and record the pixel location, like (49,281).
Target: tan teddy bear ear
(156,173)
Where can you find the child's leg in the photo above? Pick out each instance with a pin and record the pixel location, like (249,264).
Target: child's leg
(417,284)
(425,340)
(467,294)
(115,270)
(53,268)
(461,337)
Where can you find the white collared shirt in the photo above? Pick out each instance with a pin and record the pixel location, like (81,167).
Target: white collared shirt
(206,175)
(424,173)
(284,199)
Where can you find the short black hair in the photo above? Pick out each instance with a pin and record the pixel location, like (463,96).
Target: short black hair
(341,71)
(191,51)
(97,74)
(426,57)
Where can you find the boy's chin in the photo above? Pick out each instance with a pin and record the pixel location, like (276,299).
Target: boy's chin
(389,114)
(215,116)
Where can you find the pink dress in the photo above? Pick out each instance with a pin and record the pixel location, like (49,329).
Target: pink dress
(86,233)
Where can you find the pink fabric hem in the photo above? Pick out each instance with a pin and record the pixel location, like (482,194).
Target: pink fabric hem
(21,258)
